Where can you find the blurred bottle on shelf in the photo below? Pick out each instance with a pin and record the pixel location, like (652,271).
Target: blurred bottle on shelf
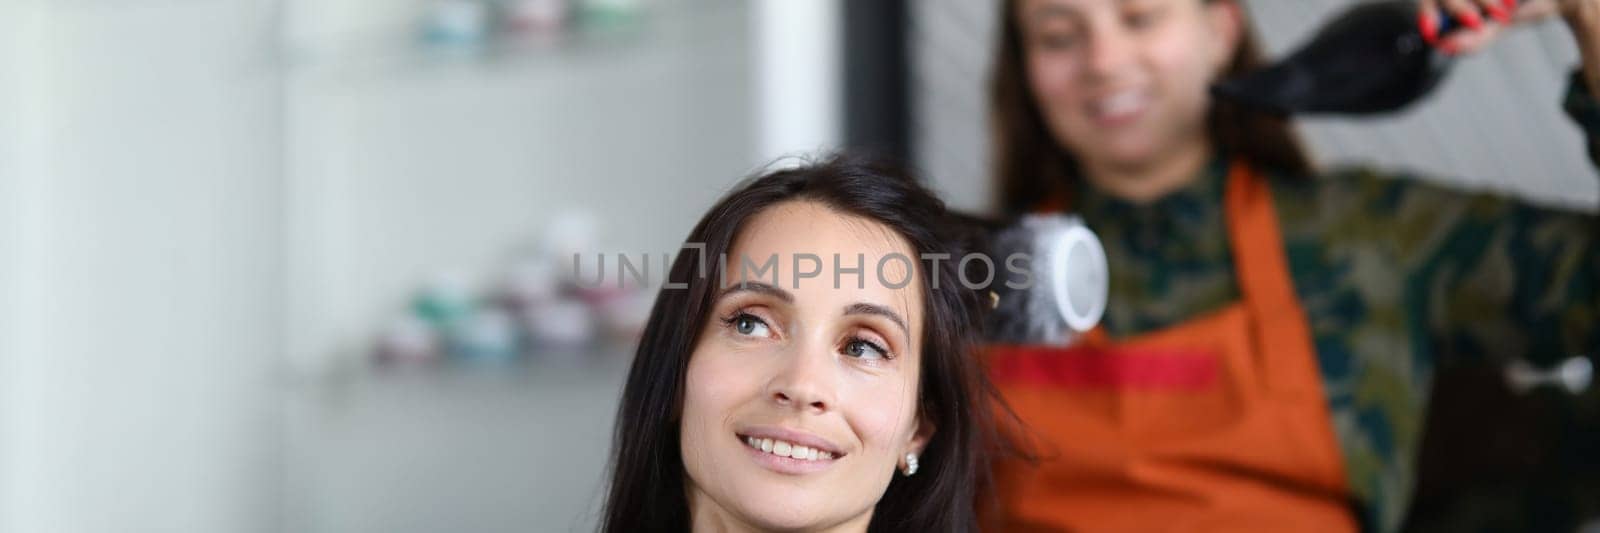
(408,341)
(560,326)
(536,310)
(476,28)
(571,232)
(535,292)
(610,16)
(489,336)
(537,22)
(530,280)
(623,317)
(456,26)
(444,301)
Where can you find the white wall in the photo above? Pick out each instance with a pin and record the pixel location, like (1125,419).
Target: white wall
(17,45)
(144,267)
(799,72)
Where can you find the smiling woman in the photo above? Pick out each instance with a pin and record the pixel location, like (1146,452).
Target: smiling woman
(808,403)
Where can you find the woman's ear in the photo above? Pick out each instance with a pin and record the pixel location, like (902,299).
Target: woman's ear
(920,436)
(1226,20)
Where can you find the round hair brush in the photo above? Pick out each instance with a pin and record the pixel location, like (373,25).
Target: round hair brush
(1050,280)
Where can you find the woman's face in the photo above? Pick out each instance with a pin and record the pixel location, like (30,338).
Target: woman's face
(823,372)
(1121,82)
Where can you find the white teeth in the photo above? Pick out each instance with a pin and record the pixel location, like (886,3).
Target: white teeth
(786,449)
(1120,103)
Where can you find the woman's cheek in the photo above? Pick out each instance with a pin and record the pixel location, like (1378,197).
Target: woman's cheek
(1052,80)
(1049,75)
(711,393)
(1185,60)
(714,383)
(882,416)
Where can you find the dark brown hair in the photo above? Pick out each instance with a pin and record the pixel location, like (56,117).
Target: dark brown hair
(1031,166)
(647,489)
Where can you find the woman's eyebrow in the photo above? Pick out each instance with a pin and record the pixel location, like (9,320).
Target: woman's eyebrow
(862,308)
(1049,10)
(758,288)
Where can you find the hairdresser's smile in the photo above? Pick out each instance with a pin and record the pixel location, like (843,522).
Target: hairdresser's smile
(788,451)
(1122,83)
(1118,108)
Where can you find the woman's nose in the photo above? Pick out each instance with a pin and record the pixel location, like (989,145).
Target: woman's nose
(1108,51)
(804,381)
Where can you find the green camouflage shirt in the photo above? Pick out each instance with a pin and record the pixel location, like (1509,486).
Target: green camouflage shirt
(1396,276)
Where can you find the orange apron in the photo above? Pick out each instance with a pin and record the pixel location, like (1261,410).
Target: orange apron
(1215,424)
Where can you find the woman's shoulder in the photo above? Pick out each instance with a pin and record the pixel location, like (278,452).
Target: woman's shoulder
(1364,206)
(1375,194)
(1370,186)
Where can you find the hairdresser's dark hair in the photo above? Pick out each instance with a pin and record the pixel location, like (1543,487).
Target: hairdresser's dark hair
(1030,165)
(648,483)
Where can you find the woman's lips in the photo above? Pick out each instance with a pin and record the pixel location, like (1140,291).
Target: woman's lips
(788,451)
(765,453)
(794,437)
(1118,108)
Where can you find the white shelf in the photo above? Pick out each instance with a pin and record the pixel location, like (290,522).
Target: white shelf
(399,170)
(483,449)
(399,52)
(399,166)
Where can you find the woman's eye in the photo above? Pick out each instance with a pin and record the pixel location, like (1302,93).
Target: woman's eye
(864,349)
(1140,19)
(748,324)
(1056,41)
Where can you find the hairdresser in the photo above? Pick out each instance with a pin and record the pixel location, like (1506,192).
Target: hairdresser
(1272,330)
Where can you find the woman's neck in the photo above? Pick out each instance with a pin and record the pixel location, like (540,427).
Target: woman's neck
(706,516)
(1148,181)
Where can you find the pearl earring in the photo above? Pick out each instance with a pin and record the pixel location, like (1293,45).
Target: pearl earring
(911,464)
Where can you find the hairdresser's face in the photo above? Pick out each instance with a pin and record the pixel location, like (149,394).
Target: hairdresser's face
(829,372)
(1122,81)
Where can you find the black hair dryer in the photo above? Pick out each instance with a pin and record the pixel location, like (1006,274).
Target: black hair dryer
(1370,59)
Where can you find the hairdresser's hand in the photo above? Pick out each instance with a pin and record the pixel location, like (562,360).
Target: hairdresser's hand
(1478,22)
(1583,18)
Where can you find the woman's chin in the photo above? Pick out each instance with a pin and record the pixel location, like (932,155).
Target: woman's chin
(1116,148)
(784,506)
(1126,153)
(777,514)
